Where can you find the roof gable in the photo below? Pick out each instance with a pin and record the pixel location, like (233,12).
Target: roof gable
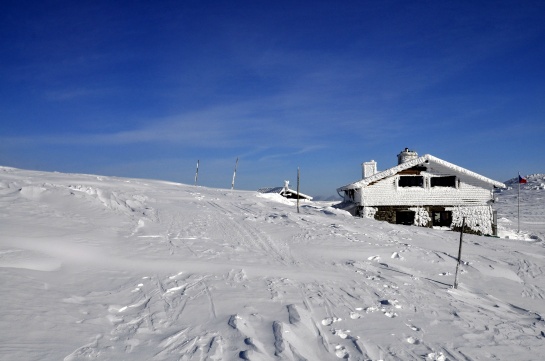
(425,159)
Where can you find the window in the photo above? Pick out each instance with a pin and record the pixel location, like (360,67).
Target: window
(411,181)
(447,181)
(405,217)
(442,219)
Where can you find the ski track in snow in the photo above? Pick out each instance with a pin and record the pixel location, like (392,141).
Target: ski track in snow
(111,268)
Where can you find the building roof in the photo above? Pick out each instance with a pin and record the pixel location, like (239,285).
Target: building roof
(282,191)
(425,159)
(270,190)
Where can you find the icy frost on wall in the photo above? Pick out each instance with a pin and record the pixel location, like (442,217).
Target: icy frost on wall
(421,216)
(370,212)
(478,218)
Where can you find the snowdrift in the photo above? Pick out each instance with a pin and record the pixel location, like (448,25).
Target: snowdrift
(110,268)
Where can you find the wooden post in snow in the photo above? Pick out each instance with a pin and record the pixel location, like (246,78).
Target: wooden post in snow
(298,173)
(459,253)
(234,175)
(197,173)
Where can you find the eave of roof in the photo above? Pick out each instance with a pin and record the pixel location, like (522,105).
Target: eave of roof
(414,162)
(300,194)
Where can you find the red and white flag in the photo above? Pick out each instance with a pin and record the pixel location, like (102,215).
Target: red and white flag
(522,180)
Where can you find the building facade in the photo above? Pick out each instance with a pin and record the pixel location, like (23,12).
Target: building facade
(424,191)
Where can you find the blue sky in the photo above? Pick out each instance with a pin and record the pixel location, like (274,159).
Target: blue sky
(147,88)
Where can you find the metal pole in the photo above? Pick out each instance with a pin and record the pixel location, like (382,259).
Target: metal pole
(234,175)
(459,253)
(197,172)
(518,205)
(298,173)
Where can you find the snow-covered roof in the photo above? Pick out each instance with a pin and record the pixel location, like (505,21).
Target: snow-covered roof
(271,190)
(283,191)
(426,158)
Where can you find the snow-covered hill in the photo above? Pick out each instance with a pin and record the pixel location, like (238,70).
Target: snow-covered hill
(127,269)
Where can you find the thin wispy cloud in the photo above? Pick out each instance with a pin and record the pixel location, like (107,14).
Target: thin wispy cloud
(290,119)
(293,153)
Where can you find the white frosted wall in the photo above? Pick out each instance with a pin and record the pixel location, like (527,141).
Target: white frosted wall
(421,216)
(386,193)
(477,218)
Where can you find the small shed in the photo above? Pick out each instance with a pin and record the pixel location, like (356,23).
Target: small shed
(285,191)
(424,191)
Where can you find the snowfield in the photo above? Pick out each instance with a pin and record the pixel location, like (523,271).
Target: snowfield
(104,268)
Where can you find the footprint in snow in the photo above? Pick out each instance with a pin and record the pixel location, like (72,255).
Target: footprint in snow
(396,255)
(394,303)
(413,341)
(390,286)
(355,315)
(374,258)
(340,351)
(341,333)
(437,356)
(330,320)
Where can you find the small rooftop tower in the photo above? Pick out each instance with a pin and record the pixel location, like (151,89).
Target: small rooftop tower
(369,168)
(406,155)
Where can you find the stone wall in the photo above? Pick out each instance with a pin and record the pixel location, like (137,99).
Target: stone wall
(478,218)
(388,213)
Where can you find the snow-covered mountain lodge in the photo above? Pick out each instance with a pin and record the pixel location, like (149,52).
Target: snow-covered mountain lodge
(424,191)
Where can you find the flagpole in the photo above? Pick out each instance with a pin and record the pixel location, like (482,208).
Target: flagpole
(518,205)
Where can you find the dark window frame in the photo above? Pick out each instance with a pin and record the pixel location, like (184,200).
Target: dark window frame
(406,181)
(444,181)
